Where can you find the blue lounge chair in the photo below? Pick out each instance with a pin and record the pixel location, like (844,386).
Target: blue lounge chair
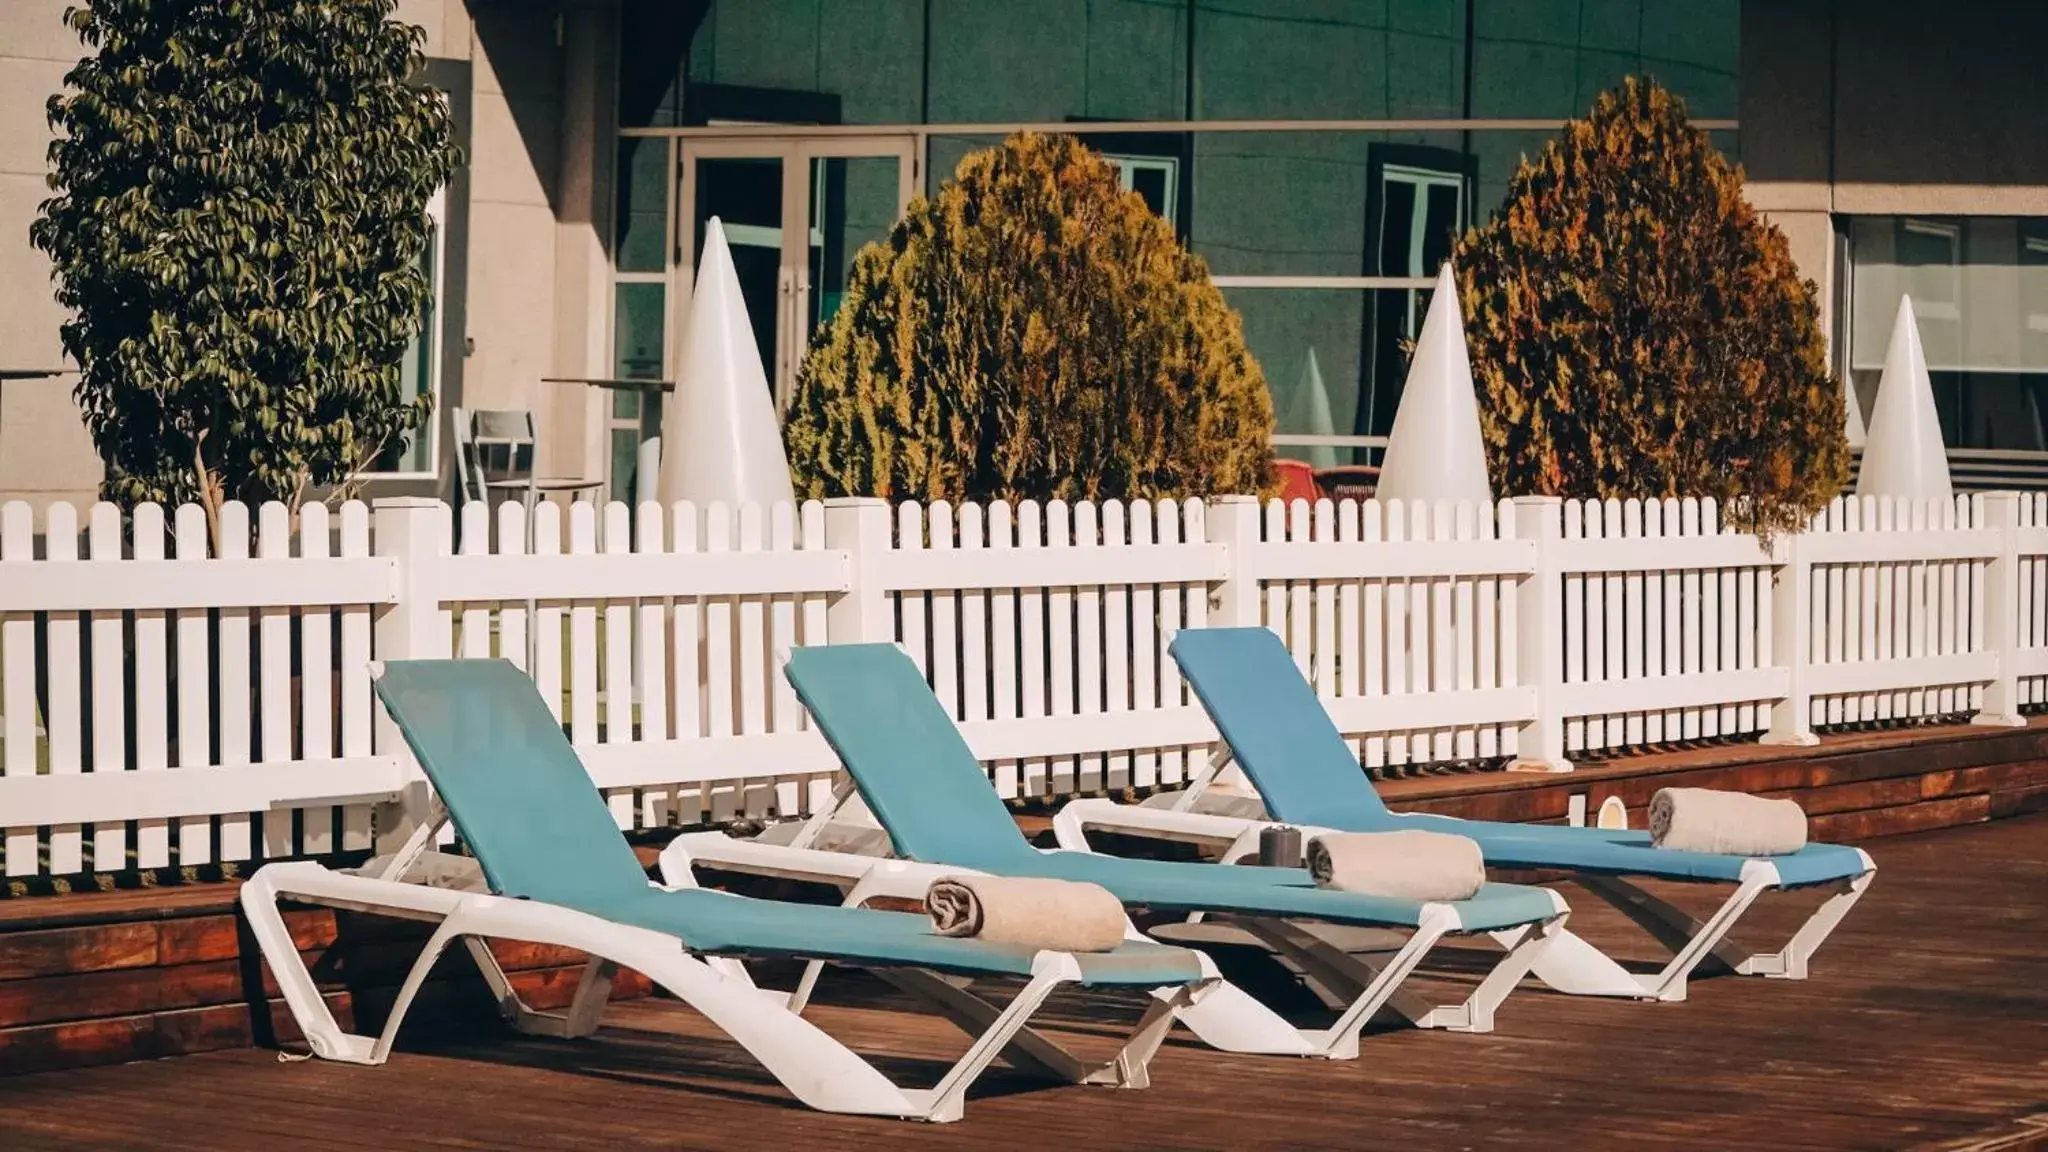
(933,798)
(1283,740)
(556,871)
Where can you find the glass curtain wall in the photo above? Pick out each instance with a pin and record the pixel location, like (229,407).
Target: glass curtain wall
(1325,239)
(1979,286)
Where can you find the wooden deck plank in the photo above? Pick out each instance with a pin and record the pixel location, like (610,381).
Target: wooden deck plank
(1926,1024)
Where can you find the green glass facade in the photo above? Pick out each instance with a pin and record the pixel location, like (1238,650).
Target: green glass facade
(1255,202)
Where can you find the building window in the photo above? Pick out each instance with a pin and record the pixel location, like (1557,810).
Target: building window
(413,455)
(1979,287)
(1417,202)
(1155,178)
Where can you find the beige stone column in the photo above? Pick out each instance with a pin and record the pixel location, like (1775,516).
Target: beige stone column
(582,296)
(45,452)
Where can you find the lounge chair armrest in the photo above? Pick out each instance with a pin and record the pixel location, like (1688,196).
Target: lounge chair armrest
(1241,835)
(901,880)
(842,870)
(1071,823)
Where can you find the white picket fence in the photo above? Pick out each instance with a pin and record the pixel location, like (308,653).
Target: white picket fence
(161,707)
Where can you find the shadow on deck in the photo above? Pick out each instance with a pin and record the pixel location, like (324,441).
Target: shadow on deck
(1926,1025)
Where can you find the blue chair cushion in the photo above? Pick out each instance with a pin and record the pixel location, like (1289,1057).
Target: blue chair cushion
(925,786)
(517,792)
(1285,742)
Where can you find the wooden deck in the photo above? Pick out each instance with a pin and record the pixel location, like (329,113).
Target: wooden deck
(1926,1025)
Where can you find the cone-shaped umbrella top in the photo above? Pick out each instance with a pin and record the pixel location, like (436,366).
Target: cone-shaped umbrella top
(1434,451)
(719,436)
(1903,454)
(1308,411)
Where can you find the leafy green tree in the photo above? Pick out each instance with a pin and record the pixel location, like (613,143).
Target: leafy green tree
(240,212)
(1637,329)
(1031,331)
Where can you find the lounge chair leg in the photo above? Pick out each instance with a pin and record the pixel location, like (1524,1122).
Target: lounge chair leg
(1476,1013)
(450,930)
(1692,941)
(1132,1065)
(1338,976)
(1576,968)
(1030,1050)
(807,984)
(1341,1038)
(1350,975)
(946,1101)
(1375,986)
(593,992)
(1790,962)
(259,896)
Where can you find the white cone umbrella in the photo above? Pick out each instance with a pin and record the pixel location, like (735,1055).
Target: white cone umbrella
(719,436)
(1434,451)
(1903,454)
(1308,412)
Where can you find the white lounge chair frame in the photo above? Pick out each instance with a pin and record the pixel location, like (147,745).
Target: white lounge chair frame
(819,1070)
(1570,964)
(1226,1017)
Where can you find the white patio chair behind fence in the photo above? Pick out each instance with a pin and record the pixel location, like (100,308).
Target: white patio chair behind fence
(487,436)
(498,449)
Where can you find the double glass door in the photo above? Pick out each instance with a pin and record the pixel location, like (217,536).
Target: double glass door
(795,212)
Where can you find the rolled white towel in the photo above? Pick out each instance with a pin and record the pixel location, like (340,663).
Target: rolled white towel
(1406,865)
(1056,915)
(1726,823)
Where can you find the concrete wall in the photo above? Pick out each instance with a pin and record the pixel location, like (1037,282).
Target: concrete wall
(1888,107)
(45,454)
(517,158)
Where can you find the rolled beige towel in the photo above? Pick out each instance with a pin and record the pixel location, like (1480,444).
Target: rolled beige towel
(1726,823)
(1055,915)
(1406,865)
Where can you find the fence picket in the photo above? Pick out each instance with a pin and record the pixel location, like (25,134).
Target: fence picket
(316,681)
(152,691)
(354,674)
(616,671)
(1115,645)
(195,704)
(235,685)
(1374,644)
(1031,641)
(18,742)
(688,690)
(783,708)
(1399,632)
(1059,612)
(108,697)
(751,666)
(1003,650)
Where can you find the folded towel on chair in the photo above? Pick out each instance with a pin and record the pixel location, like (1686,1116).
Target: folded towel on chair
(1406,865)
(1727,823)
(1056,915)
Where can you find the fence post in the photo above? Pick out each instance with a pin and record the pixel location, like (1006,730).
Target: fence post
(414,531)
(2001,512)
(1539,639)
(859,526)
(1233,521)
(1791,626)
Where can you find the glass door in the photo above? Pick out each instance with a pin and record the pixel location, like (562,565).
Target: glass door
(795,213)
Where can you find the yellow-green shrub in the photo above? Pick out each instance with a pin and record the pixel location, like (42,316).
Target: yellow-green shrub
(1636,329)
(1031,331)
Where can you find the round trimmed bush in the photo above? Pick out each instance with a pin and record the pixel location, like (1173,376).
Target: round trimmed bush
(1030,331)
(1637,329)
